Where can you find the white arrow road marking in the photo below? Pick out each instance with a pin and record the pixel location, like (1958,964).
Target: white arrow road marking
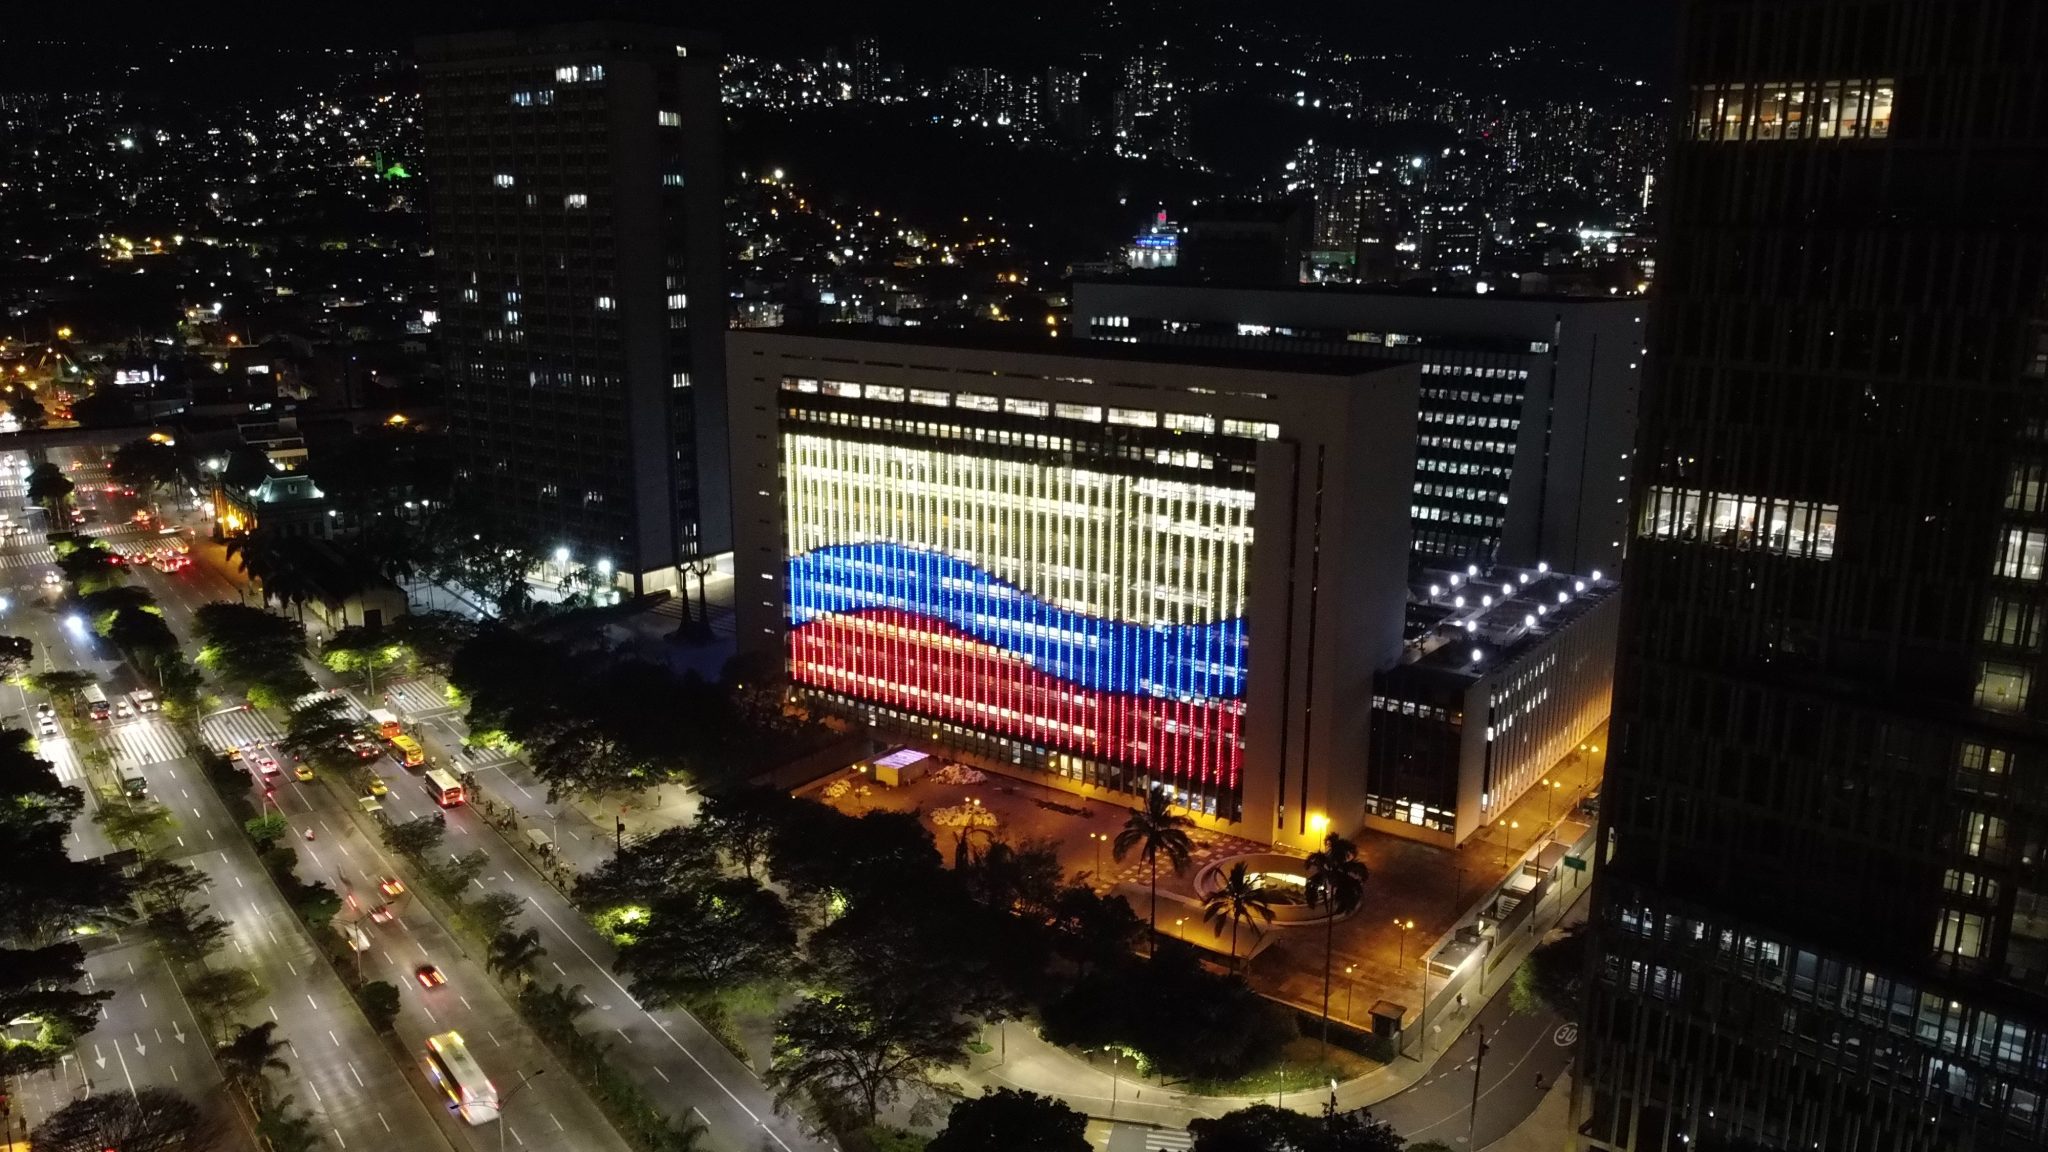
(139,1049)
(100,1057)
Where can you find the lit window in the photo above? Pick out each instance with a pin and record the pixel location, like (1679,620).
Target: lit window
(672,179)
(1027,407)
(883,392)
(1960,934)
(677,301)
(503,180)
(931,399)
(670,119)
(1801,110)
(1089,412)
(1251,428)
(1786,527)
(2003,687)
(580,74)
(1183,422)
(576,200)
(975,402)
(1134,417)
(679,380)
(606,303)
(2022,556)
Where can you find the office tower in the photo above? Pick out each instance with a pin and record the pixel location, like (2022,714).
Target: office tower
(577,193)
(867,69)
(1527,410)
(1101,566)
(1821,918)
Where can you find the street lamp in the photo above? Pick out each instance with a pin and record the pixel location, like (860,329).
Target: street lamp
(1406,926)
(524,1080)
(1507,837)
(1100,839)
(1550,788)
(1348,970)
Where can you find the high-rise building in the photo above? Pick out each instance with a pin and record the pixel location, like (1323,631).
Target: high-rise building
(577,196)
(1527,410)
(1821,918)
(868,71)
(1106,567)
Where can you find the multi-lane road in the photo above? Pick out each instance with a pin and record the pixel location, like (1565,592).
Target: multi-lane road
(349,1078)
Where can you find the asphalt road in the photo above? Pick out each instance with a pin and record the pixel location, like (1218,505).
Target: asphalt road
(680,1064)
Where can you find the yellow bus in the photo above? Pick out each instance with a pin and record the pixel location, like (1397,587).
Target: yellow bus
(407,751)
(455,1072)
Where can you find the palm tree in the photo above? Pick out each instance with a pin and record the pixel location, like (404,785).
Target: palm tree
(1336,882)
(1156,829)
(515,956)
(248,1055)
(1239,898)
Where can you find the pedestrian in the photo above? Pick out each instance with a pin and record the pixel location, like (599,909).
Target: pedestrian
(1461,1001)
(1539,1081)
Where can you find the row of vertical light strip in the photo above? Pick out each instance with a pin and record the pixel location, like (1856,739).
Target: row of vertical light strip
(1062,542)
(907,661)
(1115,546)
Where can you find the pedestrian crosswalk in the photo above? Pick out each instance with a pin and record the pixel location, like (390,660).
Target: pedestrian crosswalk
(35,558)
(350,708)
(239,726)
(142,742)
(1165,1139)
(57,750)
(414,698)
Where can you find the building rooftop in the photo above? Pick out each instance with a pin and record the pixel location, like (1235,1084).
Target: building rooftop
(1388,291)
(1496,614)
(1037,344)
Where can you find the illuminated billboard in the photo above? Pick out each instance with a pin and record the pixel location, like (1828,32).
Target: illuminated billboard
(1082,609)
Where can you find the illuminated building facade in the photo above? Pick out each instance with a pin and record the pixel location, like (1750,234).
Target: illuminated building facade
(1821,919)
(1110,570)
(577,201)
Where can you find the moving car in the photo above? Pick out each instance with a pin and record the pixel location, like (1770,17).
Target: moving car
(391,886)
(234,753)
(267,765)
(429,976)
(145,700)
(378,787)
(358,940)
(382,914)
(123,709)
(46,725)
(303,773)
(46,709)
(53,578)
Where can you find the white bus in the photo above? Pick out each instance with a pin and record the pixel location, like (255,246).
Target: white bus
(96,702)
(456,1073)
(446,789)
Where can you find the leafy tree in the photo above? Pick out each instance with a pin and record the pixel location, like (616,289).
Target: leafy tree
(251,647)
(219,993)
(722,933)
(665,862)
(1240,900)
(266,829)
(514,955)
(140,631)
(1153,831)
(187,934)
(145,465)
(483,551)
(17,656)
(48,486)
(161,883)
(818,850)
(150,1120)
(284,1130)
(132,822)
(60,683)
(1091,929)
(1188,1021)
(380,1004)
(431,639)
(414,839)
(864,1050)
(250,1053)
(27,409)
(1336,884)
(489,914)
(366,652)
(89,565)
(103,408)
(1554,975)
(742,822)
(39,985)
(1008,1120)
(452,878)
(1022,878)
(1264,1128)
(316,729)
(580,758)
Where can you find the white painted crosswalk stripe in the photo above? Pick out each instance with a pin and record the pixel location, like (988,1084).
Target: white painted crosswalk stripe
(40,558)
(416,698)
(145,742)
(57,750)
(1164,1139)
(243,726)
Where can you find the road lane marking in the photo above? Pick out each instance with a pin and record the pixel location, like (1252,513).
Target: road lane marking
(337,1134)
(309,1000)
(660,1073)
(273,1011)
(383,1121)
(465,1003)
(356,1074)
(293,967)
(558,967)
(316,1092)
(494,1038)
(622,1032)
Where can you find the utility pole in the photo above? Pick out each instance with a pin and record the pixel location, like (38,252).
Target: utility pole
(1478,1062)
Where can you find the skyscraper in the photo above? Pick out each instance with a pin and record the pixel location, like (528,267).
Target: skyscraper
(1822,916)
(577,193)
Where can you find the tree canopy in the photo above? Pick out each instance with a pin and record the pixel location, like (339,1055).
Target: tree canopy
(1265,1128)
(1009,1120)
